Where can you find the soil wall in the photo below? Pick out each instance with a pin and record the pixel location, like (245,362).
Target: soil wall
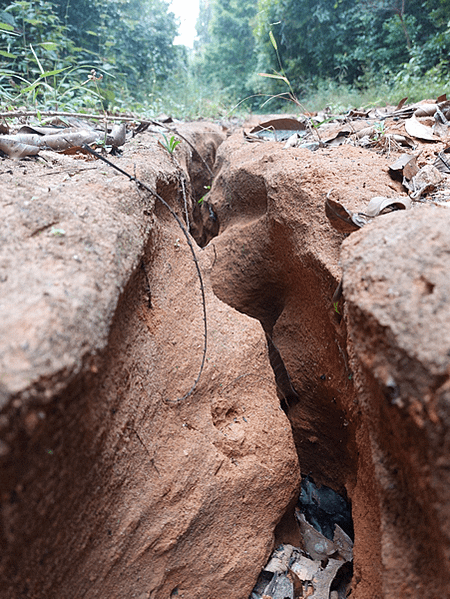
(111,486)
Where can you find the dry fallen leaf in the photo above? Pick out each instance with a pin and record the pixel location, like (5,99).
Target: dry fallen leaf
(403,140)
(25,138)
(444,107)
(292,141)
(380,205)
(251,137)
(426,180)
(318,546)
(16,149)
(405,166)
(49,130)
(401,103)
(339,217)
(416,129)
(323,579)
(282,124)
(442,162)
(315,576)
(74,150)
(441,124)
(425,110)
(118,135)
(346,221)
(31,138)
(279,129)
(296,583)
(279,562)
(305,568)
(369,131)
(343,543)
(64,141)
(410,170)
(281,587)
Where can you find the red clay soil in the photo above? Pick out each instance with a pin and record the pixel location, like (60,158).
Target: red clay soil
(278,260)
(110,488)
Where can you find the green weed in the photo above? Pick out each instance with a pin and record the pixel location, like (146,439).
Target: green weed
(202,199)
(170,143)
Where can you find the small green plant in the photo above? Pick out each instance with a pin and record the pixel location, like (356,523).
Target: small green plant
(52,89)
(281,76)
(57,232)
(94,79)
(379,130)
(170,143)
(202,199)
(335,306)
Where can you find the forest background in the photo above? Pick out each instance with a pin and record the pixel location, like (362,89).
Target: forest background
(119,55)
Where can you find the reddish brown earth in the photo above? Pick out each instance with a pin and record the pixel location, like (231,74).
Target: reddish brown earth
(109,487)
(399,331)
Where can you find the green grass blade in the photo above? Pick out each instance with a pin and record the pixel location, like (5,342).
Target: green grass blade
(280,77)
(51,73)
(37,60)
(273,40)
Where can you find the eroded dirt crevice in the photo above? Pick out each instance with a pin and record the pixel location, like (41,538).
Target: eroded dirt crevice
(256,273)
(114,489)
(309,362)
(108,483)
(363,378)
(276,260)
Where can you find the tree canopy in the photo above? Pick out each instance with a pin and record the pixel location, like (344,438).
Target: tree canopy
(48,48)
(130,41)
(309,40)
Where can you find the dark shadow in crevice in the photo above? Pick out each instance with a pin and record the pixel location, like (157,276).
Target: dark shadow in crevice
(204,224)
(323,508)
(287,394)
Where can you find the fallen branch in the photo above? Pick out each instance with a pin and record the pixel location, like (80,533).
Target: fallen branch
(78,115)
(191,247)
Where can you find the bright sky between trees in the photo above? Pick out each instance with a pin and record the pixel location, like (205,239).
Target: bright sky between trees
(187,12)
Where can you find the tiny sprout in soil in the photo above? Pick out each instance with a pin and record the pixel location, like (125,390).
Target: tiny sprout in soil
(170,144)
(57,232)
(201,200)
